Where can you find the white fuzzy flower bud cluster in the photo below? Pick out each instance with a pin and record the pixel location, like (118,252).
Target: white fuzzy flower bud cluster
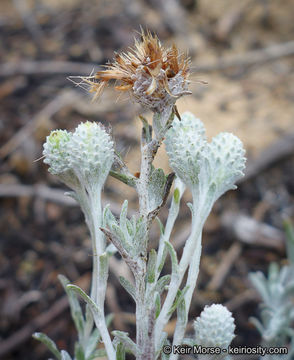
(86,155)
(184,142)
(56,152)
(91,151)
(214,327)
(201,165)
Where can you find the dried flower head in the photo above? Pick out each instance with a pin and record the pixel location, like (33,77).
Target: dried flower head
(155,77)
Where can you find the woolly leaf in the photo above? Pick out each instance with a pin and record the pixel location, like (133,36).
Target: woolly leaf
(127,343)
(182,313)
(190,206)
(162,283)
(163,257)
(157,304)
(120,352)
(260,283)
(151,266)
(92,343)
(75,308)
(65,355)
(139,236)
(156,188)
(94,308)
(173,256)
(161,227)
(123,216)
(122,237)
(97,354)
(108,218)
(177,195)
(179,297)
(130,228)
(49,343)
(79,352)
(128,287)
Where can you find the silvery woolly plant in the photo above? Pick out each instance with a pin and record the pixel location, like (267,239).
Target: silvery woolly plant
(155,77)
(277,297)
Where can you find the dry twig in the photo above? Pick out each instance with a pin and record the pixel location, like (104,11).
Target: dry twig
(45,193)
(61,100)
(256,57)
(249,58)
(241,299)
(27,16)
(230,19)
(279,150)
(27,67)
(225,266)
(40,322)
(250,231)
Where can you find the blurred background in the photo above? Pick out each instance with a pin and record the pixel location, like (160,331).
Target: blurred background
(242,49)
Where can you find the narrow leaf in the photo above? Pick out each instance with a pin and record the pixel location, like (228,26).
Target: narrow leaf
(79,352)
(162,283)
(161,227)
(98,353)
(190,206)
(123,216)
(49,343)
(173,256)
(89,321)
(75,308)
(65,355)
(151,266)
(118,232)
(124,339)
(182,313)
(130,228)
(157,305)
(139,235)
(120,352)
(163,258)
(178,299)
(94,308)
(257,324)
(108,218)
(128,287)
(156,185)
(133,222)
(123,178)
(92,343)
(177,196)
(260,283)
